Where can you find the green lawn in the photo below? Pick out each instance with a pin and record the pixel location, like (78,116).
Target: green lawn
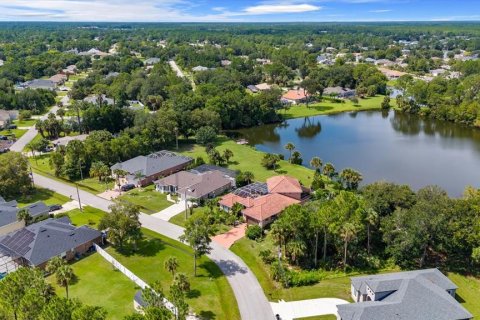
(246,158)
(468,292)
(16,132)
(147,199)
(329,107)
(336,287)
(99,284)
(90,216)
(25,123)
(211,296)
(45,195)
(40,164)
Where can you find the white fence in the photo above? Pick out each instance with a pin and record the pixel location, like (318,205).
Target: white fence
(142,284)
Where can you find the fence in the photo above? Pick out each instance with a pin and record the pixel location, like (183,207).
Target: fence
(142,284)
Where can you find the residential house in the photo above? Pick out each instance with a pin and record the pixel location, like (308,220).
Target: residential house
(94,52)
(5,145)
(58,79)
(384,62)
(411,295)
(263,61)
(295,96)
(8,214)
(37,84)
(70,70)
(339,92)
(151,61)
(98,100)
(392,74)
(38,243)
(63,141)
(225,63)
(112,74)
(324,59)
(263,202)
(259,87)
(7,117)
(199,69)
(370,60)
(202,182)
(252,88)
(143,170)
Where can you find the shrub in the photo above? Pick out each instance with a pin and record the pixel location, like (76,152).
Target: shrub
(305,278)
(206,135)
(266,256)
(254,232)
(24,115)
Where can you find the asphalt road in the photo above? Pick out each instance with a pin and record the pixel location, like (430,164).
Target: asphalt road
(20,144)
(251,299)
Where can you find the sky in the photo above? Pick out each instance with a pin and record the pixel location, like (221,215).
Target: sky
(239,10)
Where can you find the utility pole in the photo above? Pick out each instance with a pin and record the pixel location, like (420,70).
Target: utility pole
(78,196)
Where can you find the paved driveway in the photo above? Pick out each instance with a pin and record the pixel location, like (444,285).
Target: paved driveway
(167,213)
(306,308)
(228,238)
(251,299)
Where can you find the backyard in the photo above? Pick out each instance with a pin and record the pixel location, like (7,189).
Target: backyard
(246,158)
(208,288)
(329,107)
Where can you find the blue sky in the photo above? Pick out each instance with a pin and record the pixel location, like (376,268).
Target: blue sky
(239,10)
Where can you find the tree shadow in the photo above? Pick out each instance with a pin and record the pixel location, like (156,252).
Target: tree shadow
(194,293)
(229,268)
(207,315)
(147,247)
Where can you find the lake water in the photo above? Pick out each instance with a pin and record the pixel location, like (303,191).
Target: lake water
(390,146)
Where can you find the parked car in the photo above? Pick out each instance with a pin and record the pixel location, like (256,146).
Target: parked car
(3,137)
(55,207)
(12,126)
(127,187)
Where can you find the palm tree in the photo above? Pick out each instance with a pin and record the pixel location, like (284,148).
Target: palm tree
(63,272)
(296,249)
(171,265)
(40,127)
(24,215)
(95,170)
(351,178)
(248,176)
(227,154)
(181,281)
(329,170)
(290,147)
(348,233)
(61,113)
(316,163)
(372,219)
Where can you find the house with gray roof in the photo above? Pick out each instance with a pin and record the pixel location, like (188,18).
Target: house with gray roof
(411,295)
(7,117)
(339,92)
(143,170)
(8,214)
(151,61)
(203,182)
(36,244)
(37,84)
(99,99)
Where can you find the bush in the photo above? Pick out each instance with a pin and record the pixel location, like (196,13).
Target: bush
(24,115)
(266,256)
(254,232)
(305,278)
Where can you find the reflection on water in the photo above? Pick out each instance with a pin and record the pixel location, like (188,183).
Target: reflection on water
(383,146)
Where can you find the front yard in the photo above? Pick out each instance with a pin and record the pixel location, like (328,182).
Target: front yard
(90,216)
(41,194)
(149,200)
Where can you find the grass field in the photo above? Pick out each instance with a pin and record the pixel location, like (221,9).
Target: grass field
(16,132)
(329,107)
(45,195)
(25,123)
(90,216)
(147,199)
(211,296)
(99,284)
(247,158)
(468,292)
(40,164)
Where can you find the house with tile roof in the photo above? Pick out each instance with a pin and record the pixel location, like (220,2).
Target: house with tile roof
(143,170)
(36,244)
(294,96)
(263,202)
(411,295)
(9,210)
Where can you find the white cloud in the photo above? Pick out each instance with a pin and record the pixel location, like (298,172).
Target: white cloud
(280,8)
(380,11)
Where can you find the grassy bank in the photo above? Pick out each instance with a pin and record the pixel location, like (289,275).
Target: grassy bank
(246,158)
(329,107)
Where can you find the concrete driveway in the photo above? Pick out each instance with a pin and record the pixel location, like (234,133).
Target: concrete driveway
(306,308)
(228,238)
(167,213)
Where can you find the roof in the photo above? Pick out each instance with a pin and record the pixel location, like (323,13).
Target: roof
(336,90)
(210,167)
(9,210)
(63,141)
(196,185)
(153,163)
(415,295)
(58,78)
(252,88)
(283,184)
(8,114)
(44,240)
(268,206)
(295,95)
(263,86)
(151,61)
(94,99)
(38,84)
(199,68)
(391,73)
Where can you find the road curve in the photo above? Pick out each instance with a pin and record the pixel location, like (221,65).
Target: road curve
(251,299)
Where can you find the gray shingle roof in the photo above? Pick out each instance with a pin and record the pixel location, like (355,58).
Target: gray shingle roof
(9,210)
(153,163)
(41,241)
(209,167)
(417,295)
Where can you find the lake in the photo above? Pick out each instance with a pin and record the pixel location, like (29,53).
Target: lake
(391,146)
